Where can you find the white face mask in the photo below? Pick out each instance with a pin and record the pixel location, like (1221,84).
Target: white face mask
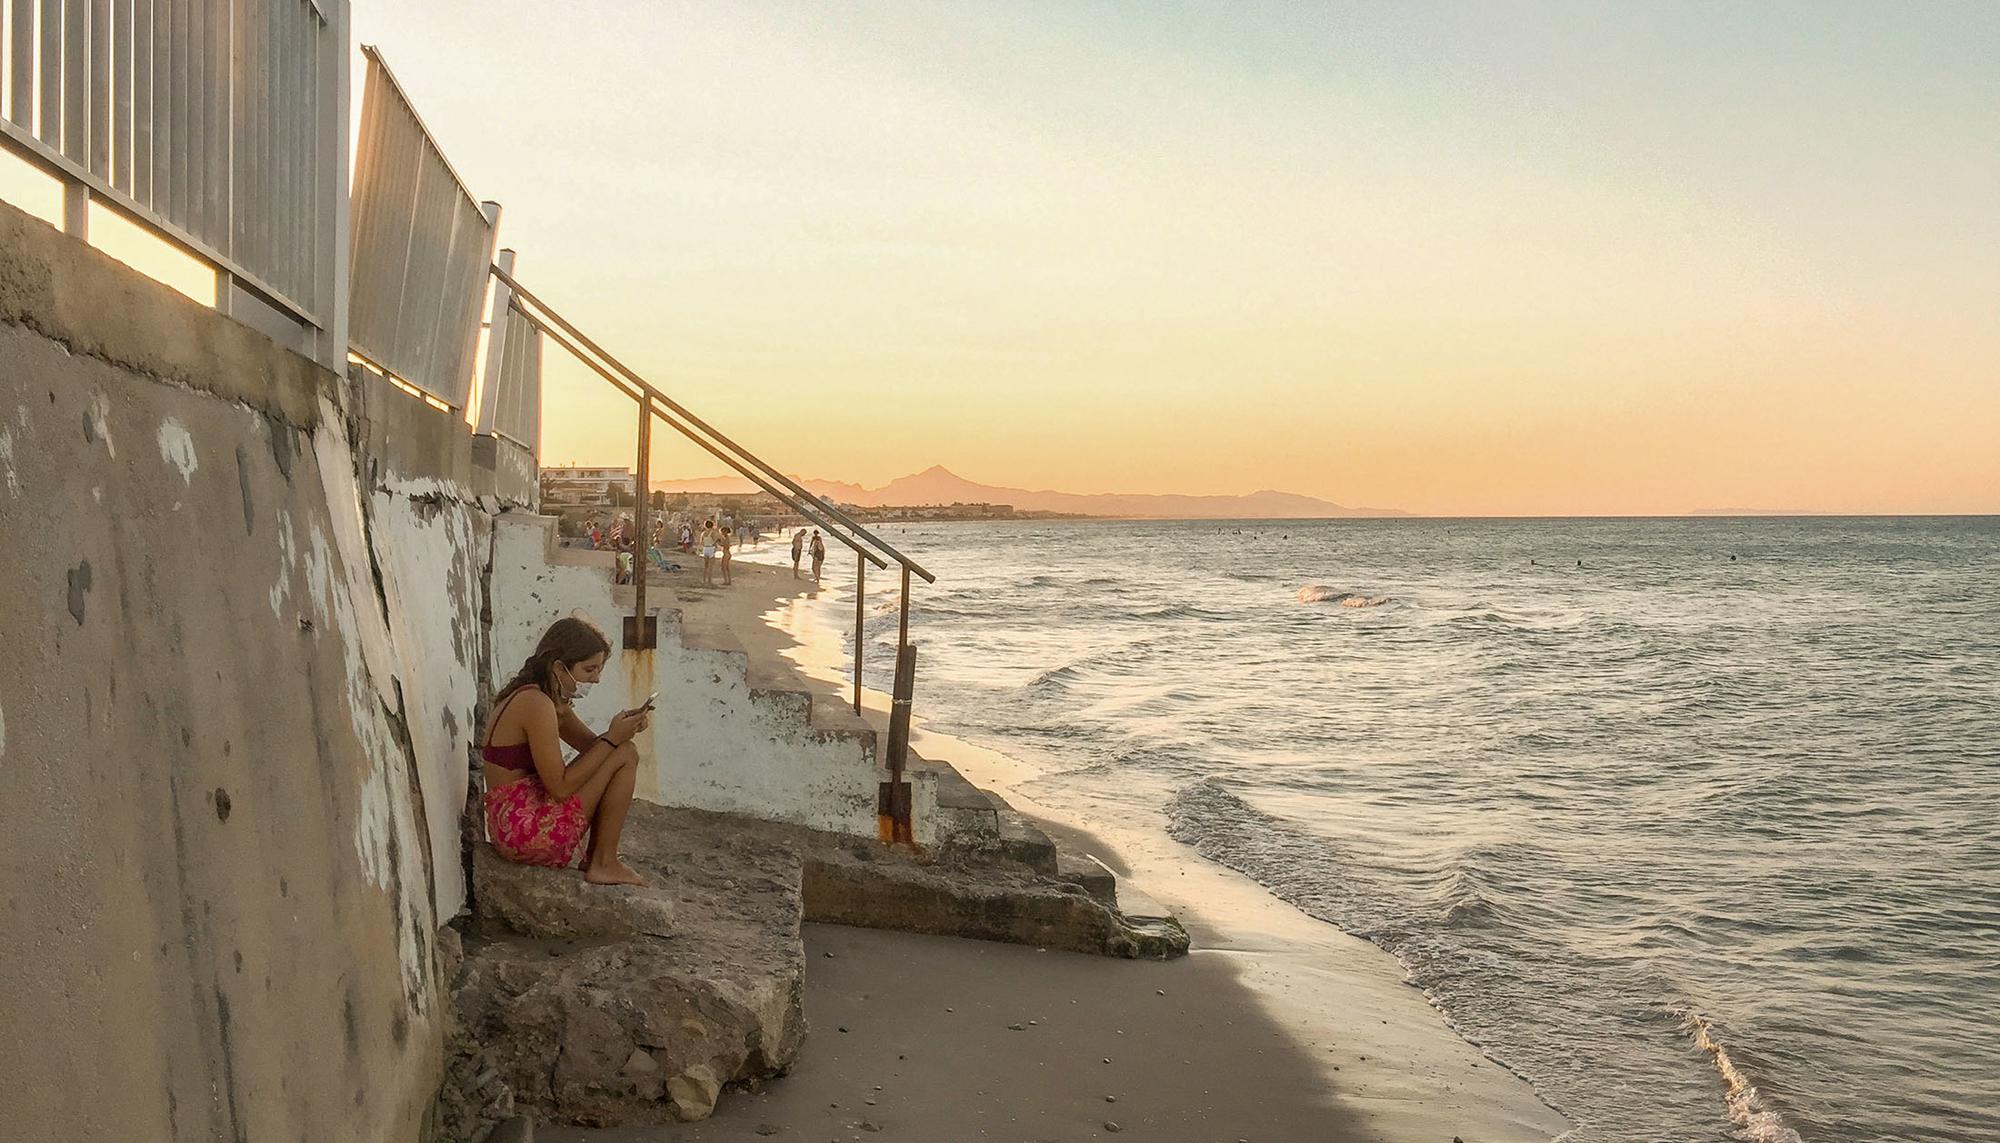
(577,687)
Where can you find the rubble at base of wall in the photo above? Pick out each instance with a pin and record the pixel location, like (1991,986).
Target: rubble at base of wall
(597,1020)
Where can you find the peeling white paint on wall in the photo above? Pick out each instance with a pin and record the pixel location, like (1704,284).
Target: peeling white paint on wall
(100,423)
(7,462)
(432,566)
(177,448)
(335,458)
(341,584)
(288,557)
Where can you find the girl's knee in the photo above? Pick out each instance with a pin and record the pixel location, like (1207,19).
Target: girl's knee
(625,755)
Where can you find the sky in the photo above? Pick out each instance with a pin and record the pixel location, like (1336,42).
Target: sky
(1512,259)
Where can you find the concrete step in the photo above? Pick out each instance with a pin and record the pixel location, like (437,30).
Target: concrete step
(776,687)
(1092,875)
(1020,839)
(964,815)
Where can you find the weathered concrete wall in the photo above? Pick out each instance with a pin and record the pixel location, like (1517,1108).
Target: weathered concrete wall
(506,472)
(214,921)
(429,533)
(430,549)
(715,744)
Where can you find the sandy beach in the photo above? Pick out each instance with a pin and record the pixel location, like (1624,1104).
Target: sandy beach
(935,1038)
(1276,1026)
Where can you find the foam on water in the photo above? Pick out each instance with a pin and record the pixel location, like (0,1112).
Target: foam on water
(1746,1109)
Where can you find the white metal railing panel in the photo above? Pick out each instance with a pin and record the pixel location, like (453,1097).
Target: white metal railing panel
(420,249)
(518,404)
(222,124)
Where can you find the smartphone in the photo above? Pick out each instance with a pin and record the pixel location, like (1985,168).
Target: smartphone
(650,700)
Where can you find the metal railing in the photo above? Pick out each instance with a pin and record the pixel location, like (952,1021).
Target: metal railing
(510,396)
(420,248)
(893,808)
(220,125)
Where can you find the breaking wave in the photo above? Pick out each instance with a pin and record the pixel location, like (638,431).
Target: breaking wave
(1320,593)
(1753,1120)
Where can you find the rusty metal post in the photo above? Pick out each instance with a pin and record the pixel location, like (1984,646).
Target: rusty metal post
(893,804)
(860,589)
(639,631)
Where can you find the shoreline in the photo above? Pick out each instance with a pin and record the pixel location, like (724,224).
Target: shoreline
(1385,1053)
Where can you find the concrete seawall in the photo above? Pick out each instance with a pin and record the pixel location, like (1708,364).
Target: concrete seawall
(218,916)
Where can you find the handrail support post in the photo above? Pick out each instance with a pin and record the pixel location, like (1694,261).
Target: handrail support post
(639,631)
(860,591)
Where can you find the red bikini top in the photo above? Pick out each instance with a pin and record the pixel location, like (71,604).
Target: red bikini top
(519,756)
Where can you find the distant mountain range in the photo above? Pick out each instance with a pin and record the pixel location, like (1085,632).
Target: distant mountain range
(938,485)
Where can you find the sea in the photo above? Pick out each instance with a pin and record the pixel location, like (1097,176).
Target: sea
(1692,823)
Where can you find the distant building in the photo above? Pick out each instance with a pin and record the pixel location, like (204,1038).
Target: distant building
(957,511)
(586,487)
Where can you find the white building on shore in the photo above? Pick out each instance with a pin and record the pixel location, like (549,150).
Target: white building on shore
(587,487)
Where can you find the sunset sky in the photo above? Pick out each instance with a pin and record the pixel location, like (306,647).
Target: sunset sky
(1471,258)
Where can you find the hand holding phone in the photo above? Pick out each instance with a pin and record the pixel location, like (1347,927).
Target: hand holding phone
(650,700)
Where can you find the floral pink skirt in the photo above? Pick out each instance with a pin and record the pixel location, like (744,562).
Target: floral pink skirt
(528,825)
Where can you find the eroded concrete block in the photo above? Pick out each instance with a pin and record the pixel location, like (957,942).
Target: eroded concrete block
(994,903)
(537,901)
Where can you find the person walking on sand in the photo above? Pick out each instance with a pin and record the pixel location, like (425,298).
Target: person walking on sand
(818,553)
(798,549)
(539,810)
(723,543)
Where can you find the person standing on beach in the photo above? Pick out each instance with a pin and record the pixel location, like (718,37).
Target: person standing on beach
(708,551)
(798,549)
(723,543)
(818,553)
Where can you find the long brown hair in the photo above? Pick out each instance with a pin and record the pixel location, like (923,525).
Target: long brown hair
(568,641)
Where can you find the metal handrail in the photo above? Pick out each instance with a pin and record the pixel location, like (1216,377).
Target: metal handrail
(878,542)
(641,392)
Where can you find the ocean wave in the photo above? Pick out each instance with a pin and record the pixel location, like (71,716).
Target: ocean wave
(1320,593)
(1179,611)
(1754,1120)
(1056,677)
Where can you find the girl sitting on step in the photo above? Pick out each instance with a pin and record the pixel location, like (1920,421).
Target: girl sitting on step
(539,810)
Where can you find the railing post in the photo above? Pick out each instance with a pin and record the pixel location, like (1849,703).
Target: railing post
(893,818)
(76,209)
(860,587)
(639,629)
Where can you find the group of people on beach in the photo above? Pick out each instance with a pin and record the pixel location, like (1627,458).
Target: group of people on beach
(716,537)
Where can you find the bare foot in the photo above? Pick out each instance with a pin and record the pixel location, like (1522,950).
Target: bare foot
(613,872)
